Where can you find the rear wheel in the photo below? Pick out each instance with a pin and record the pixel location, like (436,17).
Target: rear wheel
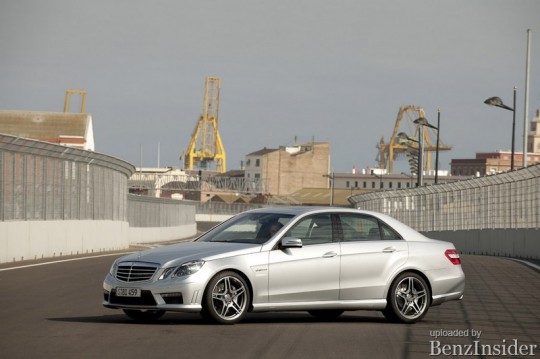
(226,298)
(326,314)
(408,299)
(144,315)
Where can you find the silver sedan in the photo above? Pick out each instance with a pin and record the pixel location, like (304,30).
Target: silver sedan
(321,260)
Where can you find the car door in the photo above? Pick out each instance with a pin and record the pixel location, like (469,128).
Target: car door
(309,273)
(371,252)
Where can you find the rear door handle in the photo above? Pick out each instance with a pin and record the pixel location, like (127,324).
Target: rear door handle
(329,254)
(389,250)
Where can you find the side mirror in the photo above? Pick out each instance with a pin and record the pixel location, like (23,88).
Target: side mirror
(291,242)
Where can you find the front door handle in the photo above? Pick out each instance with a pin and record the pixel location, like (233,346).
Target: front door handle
(389,250)
(329,254)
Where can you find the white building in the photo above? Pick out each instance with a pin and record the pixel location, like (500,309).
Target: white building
(63,128)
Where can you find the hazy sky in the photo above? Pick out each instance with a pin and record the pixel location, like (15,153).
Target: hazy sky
(335,71)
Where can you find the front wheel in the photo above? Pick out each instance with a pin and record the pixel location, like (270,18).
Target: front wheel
(226,298)
(408,299)
(144,315)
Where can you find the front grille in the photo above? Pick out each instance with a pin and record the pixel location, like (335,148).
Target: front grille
(146,299)
(135,271)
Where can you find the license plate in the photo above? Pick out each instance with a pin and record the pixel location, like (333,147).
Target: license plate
(128,292)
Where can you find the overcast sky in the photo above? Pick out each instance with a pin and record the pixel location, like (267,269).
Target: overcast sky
(336,71)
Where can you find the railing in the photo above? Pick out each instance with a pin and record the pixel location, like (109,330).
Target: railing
(165,183)
(220,208)
(509,200)
(43,181)
(147,211)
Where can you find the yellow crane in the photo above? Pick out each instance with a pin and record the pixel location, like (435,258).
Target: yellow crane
(205,145)
(70,92)
(390,151)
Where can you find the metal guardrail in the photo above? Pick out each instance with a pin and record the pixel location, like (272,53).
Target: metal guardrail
(219,208)
(45,181)
(144,211)
(503,201)
(164,183)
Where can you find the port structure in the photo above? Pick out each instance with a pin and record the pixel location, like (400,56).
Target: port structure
(205,146)
(392,150)
(70,92)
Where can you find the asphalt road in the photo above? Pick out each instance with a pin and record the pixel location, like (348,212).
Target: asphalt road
(55,311)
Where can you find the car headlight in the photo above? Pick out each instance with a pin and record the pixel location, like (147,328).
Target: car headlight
(183,270)
(112,271)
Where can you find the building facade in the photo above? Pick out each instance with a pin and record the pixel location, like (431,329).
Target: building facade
(363,182)
(289,169)
(533,137)
(489,163)
(62,128)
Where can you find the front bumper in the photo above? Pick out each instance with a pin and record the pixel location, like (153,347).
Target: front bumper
(179,295)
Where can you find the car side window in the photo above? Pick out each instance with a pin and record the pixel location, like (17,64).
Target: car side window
(359,227)
(388,233)
(316,229)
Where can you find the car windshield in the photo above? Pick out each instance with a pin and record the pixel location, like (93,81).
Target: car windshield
(256,228)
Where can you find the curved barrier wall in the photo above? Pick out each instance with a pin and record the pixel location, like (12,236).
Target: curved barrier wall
(57,200)
(496,215)
(159,219)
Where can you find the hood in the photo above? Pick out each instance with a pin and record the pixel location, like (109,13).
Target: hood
(176,254)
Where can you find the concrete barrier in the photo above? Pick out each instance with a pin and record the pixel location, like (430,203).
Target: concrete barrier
(139,235)
(516,243)
(28,240)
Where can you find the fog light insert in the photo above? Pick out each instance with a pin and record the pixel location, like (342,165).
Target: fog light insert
(106,295)
(172,298)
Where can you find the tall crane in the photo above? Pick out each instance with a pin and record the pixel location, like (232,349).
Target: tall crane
(205,145)
(392,150)
(70,92)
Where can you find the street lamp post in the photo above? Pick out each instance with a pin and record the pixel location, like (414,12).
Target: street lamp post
(420,156)
(424,123)
(330,177)
(437,148)
(497,102)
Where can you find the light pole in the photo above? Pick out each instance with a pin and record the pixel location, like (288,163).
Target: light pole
(330,176)
(497,102)
(424,123)
(437,148)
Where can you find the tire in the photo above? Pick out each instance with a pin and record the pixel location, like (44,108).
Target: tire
(144,315)
(408,299)
(226,298)
(326,314)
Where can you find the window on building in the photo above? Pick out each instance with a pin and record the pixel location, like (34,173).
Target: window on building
(408,185)
(390,185)
(248,162)
(365,184)
(257,162)
(257,175)
(372,184)
(355,184)
(399,185)
(347,184)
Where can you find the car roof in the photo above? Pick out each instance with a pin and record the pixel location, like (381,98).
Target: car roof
(298,210)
